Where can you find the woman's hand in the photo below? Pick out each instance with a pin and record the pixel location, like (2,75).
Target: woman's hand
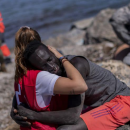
(56,53)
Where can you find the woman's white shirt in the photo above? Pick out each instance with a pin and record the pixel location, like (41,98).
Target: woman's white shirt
(45,82)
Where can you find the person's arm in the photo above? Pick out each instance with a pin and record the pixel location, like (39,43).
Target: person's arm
(21,120)
(73,83)
(68,116)
(75,104)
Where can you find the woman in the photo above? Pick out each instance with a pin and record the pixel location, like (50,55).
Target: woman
(29,81)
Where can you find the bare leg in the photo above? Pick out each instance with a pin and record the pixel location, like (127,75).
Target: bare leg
(121,48)
(79,125)
(121,52)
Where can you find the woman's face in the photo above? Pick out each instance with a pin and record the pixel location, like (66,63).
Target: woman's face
(44,59)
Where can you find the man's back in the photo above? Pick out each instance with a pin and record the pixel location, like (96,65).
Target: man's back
(102,85)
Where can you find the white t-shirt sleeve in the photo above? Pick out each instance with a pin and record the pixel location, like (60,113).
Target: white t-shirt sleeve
(45,82)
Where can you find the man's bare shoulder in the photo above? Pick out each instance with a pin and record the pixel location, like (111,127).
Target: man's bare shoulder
(81,63)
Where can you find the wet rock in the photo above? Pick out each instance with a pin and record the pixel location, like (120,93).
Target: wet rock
(100,30)
(73,37)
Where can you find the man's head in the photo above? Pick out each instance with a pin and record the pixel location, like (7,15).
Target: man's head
(40,57)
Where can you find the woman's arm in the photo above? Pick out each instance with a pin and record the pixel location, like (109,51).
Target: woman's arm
(73,83)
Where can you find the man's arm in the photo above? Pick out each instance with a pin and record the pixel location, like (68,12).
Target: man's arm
(75,103)
(15,116)
(68,116)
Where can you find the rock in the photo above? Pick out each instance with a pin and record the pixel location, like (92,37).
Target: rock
(107,47)
(125,127)
(73,37)
(6,95)
(119,69)
(13,126)
(100,30)
(82,24)
(96,52)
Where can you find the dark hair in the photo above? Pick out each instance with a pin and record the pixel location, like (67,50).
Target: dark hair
(30,49)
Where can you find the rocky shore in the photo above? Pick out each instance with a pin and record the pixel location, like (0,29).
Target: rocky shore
(93,38)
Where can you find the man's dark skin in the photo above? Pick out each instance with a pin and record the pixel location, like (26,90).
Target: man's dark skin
(69,118)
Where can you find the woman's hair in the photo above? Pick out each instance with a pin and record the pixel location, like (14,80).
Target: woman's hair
(22,38)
